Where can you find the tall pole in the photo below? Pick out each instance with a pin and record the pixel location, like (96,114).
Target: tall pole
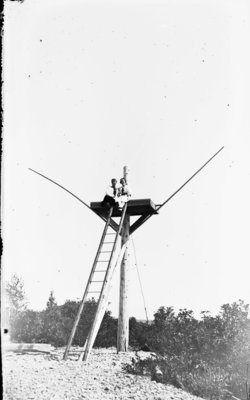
(123,318)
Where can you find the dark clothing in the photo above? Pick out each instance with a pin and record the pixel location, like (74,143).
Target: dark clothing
(109,201)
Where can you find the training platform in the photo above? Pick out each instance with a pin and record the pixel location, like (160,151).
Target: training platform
(135,207)
(141,207)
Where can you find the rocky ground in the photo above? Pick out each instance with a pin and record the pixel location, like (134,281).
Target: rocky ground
(47,377)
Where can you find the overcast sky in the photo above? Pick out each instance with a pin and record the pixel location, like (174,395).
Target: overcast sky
(160,86)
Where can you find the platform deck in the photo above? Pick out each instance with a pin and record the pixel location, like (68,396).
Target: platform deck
(135,207)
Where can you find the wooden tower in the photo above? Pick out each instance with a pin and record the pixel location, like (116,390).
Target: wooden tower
(116,234)
(143,208)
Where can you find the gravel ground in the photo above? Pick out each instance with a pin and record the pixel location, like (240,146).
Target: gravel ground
(47,377)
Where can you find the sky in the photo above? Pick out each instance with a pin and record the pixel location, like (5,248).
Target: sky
(159,86)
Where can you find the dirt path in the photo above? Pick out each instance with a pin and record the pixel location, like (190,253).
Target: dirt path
(48,377)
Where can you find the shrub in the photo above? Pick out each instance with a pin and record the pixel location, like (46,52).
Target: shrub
(107,334)
(138,333)
(207,358)
(53,325)
(26,327)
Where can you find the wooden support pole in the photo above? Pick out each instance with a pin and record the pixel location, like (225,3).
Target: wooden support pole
(123,318)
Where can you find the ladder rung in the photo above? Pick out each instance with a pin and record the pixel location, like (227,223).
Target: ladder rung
(108,242)
(105,251)
(101,270)
(94,292)
(103,261)
(111,233)
(96,281)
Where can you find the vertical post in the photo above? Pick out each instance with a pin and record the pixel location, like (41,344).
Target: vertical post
(125,173)
(123,318)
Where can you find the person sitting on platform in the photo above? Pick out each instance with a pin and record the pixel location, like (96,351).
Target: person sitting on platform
(110,198)
(124,193)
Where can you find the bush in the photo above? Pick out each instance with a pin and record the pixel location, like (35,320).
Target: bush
(138,333)
(107,334)
(26,327)
(208,358)
(53,325)
(204,381)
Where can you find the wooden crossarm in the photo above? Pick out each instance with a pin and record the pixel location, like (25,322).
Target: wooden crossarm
(139,222)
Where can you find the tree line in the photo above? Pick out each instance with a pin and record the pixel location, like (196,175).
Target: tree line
(53,324)
(208,357)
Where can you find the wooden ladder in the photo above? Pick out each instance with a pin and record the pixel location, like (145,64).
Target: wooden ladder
(101,273)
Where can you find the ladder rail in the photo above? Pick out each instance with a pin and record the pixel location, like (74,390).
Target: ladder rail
(80,309)
(97,321)
(104,306)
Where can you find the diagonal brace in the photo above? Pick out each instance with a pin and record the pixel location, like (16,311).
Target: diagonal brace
(143,219)
(138,222)
(112,223)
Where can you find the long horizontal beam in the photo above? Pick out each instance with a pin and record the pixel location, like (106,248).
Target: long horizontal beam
(112,223)
(143,219)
